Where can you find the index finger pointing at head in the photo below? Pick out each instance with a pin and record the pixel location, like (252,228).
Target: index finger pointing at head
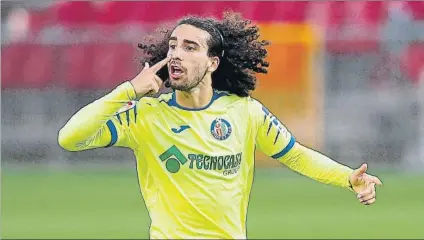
(160,64)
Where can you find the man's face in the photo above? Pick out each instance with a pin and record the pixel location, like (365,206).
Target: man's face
(190,61)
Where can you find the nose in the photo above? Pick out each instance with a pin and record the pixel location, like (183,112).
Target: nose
(175,54)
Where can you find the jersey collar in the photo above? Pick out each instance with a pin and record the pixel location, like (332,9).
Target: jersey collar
(215,96)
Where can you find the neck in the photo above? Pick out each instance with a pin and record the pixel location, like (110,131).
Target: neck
(198,97)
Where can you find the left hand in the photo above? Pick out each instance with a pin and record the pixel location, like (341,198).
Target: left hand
(364,185)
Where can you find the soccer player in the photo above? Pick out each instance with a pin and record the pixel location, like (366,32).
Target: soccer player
(195,146)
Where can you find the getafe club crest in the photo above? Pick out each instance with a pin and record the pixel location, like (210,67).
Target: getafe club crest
(220,129)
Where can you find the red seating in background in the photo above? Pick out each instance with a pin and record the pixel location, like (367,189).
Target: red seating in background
(374,12)
(163,11)
(370,13)
(417,9)
(38,69)
(103,65)
(290,11)
(354,26)
(111,17)
(151,12)
(113,63)
(414,60)
(363,13)
(79,13)
(75,13)
(114,12)
(337,12)
(11,65)
(76,61)
(98,66)
(86,66)
(173,10)
(41,19)
(160,11)
(264,11)
(217,8)
(27,66)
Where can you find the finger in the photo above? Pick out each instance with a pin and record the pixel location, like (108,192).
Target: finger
(369,202)
(150,93)
(156,83)
(367,191)
(146,65)
(367,197)
(376,180)
(160,64)
(158,80)
(364,194)
(366,179)
(361,170)
(357,174)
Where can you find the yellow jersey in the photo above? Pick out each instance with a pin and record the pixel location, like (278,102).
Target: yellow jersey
(195,166)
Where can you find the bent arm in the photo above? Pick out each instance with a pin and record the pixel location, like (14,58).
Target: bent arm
(93,126)
(316,166)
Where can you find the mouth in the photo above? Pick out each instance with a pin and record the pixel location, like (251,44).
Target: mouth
(175,71)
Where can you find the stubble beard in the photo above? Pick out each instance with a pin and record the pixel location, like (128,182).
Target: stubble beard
(187,85)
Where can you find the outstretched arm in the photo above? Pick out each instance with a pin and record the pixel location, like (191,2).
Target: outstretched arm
(321,168)
(276,141)
(316,166)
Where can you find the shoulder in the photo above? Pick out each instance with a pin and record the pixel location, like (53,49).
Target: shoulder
(249,103)
(146,104)
(229,100)
(255,105)
(152,105)
(257,110)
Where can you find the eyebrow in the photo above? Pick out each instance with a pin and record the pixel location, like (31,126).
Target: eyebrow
(185,40)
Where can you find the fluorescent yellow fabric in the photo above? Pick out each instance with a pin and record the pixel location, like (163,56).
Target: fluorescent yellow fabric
(195,167)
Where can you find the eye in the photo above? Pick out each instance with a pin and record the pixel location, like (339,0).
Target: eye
(172,46)
(190,48)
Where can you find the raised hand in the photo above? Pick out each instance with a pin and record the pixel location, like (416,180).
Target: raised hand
(364,185)
(147,82)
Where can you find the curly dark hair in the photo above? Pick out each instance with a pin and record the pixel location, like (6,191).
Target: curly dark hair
(233,39)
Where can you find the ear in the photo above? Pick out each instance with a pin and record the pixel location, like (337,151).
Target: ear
(213,64)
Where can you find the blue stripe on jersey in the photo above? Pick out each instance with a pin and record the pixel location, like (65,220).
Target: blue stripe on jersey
(286,149)
(135,114)
(128,116)
(276,137)
(266,111)
(269,128)
(173,102)
(113,133)
(119,118)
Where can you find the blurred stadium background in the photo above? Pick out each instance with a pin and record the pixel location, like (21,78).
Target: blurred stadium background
(345,77)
